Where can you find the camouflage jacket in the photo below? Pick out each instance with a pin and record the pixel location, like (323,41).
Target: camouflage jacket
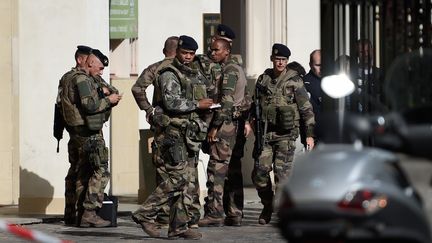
(231,93)
(147,78)
(181,87)
(103,83)
(286,91)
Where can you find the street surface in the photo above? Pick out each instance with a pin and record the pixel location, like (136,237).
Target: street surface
(128,231)
(418,170)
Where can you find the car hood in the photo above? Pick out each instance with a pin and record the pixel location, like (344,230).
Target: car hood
(327,173)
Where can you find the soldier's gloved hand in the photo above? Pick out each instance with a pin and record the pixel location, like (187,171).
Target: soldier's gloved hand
(204,104)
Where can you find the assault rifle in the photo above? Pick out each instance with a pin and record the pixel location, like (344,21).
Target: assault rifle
(59,125)
(259,138)
(259,125)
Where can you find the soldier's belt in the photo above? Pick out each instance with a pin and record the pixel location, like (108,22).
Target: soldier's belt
(82,131)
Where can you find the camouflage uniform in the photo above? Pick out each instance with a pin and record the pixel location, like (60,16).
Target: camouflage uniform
(70,179)
(231,90)
(283,101)
(148,77)
(84,110)
(175,114)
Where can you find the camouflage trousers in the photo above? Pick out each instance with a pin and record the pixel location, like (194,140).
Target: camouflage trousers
(277,155)
(224,177)
(172,190)
(92,173)
(70,182)
(192,190)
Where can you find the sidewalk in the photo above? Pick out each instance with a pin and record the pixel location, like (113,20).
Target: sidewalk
(127,204)
(128,231)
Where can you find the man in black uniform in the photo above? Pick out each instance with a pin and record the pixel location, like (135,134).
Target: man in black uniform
(312,82)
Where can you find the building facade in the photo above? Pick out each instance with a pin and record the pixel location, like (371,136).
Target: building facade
(37,43)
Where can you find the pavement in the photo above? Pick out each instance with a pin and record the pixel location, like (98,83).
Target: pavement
(128,231)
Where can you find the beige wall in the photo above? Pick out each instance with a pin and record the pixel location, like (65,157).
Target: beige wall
(46,47)
(9,176)
(280,21)
(125,141)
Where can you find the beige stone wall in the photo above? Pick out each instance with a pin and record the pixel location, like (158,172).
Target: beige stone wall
(9,175)
(46,45)
(124,141)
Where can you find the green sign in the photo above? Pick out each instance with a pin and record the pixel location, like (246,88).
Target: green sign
(210,23)
(123,19)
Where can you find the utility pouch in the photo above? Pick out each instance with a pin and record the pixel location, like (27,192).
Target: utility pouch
(270,114)
(98,154)
(177,153)
(285,117)
(196,133)
(161,120)
(95,122)
(199,91)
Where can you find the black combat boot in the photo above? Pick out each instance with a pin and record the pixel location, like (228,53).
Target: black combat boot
(70,216)
(233,221)
(265,215)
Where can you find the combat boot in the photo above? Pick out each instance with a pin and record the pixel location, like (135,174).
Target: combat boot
(187,235)
(193,225)
(208,221)
(265,215)
(149,228)
(90,219)
(233,221)
(70,216)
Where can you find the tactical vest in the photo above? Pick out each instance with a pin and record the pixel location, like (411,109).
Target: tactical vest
(193,88)
(241,98)
(277,98)
(70,101)
(95,121)
(68,98)
(157,94)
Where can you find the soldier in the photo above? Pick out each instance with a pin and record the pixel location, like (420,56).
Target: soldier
(212,69)
(228,121)
(282,99)
(149,77)
(84,107)
(81,55)
(180,131)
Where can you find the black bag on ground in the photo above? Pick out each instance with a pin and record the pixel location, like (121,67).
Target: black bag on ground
(109,209)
